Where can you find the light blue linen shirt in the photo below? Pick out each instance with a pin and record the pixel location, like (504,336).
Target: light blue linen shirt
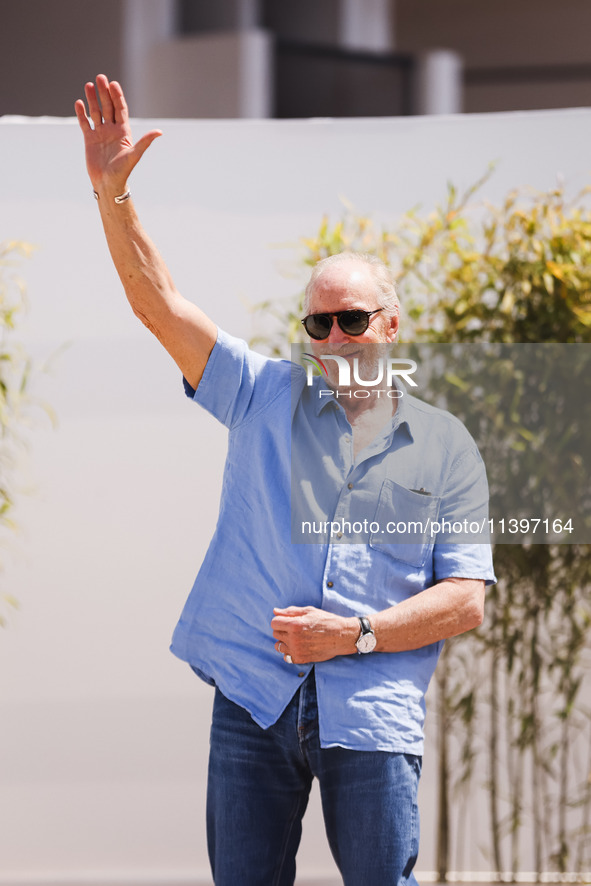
(290,461)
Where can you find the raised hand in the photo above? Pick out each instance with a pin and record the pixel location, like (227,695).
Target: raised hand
(110,152)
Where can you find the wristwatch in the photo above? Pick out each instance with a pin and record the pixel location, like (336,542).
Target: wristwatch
(366,642)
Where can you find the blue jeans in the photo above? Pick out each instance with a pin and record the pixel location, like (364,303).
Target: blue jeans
(259,782)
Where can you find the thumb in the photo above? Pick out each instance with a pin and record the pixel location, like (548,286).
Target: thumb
(142,144)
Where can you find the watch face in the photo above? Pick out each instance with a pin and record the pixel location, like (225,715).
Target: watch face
(366,643)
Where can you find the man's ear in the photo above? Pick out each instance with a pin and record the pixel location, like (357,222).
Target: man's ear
(393,327)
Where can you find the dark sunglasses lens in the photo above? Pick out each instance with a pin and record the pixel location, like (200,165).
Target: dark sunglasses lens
(318,326)
(354,322)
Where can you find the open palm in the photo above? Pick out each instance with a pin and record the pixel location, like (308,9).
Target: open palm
(110,152)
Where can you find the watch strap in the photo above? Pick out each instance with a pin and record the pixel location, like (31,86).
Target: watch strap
(365,625)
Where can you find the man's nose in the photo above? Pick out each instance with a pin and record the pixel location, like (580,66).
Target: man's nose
(336,335)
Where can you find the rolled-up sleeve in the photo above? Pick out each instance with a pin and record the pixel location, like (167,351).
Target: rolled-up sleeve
(462,548)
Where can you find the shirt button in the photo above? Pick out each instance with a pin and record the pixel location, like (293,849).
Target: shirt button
(339,534)
(349,486)
(302,674)
(329,584)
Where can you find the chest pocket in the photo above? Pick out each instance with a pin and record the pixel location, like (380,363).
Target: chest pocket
(402,522)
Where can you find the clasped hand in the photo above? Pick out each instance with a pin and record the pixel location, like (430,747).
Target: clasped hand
(308,634)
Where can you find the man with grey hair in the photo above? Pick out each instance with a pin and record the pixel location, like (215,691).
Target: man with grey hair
(383,277)
(320,642)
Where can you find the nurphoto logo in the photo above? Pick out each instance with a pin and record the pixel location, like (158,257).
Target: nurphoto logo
(387,369)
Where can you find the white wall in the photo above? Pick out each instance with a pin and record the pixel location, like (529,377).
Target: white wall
(103,735)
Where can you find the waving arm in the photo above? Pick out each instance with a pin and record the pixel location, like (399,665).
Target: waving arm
(184,330)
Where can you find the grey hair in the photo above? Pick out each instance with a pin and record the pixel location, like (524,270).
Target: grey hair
(382,275)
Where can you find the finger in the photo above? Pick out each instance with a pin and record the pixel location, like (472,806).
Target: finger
(94,110)
(144,142)
(281,648)
(281,624)
(281,629)
(119,104)
(102,83)
(80,109)
(292,611)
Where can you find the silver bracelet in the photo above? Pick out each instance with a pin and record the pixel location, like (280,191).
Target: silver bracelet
(120,199)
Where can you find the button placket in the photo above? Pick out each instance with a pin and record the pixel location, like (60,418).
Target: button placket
(342,510)
(346,443)
(330,569)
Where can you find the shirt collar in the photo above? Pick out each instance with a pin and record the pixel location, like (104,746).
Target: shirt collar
(401,419)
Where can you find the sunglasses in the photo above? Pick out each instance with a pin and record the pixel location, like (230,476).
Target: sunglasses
(353,322)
